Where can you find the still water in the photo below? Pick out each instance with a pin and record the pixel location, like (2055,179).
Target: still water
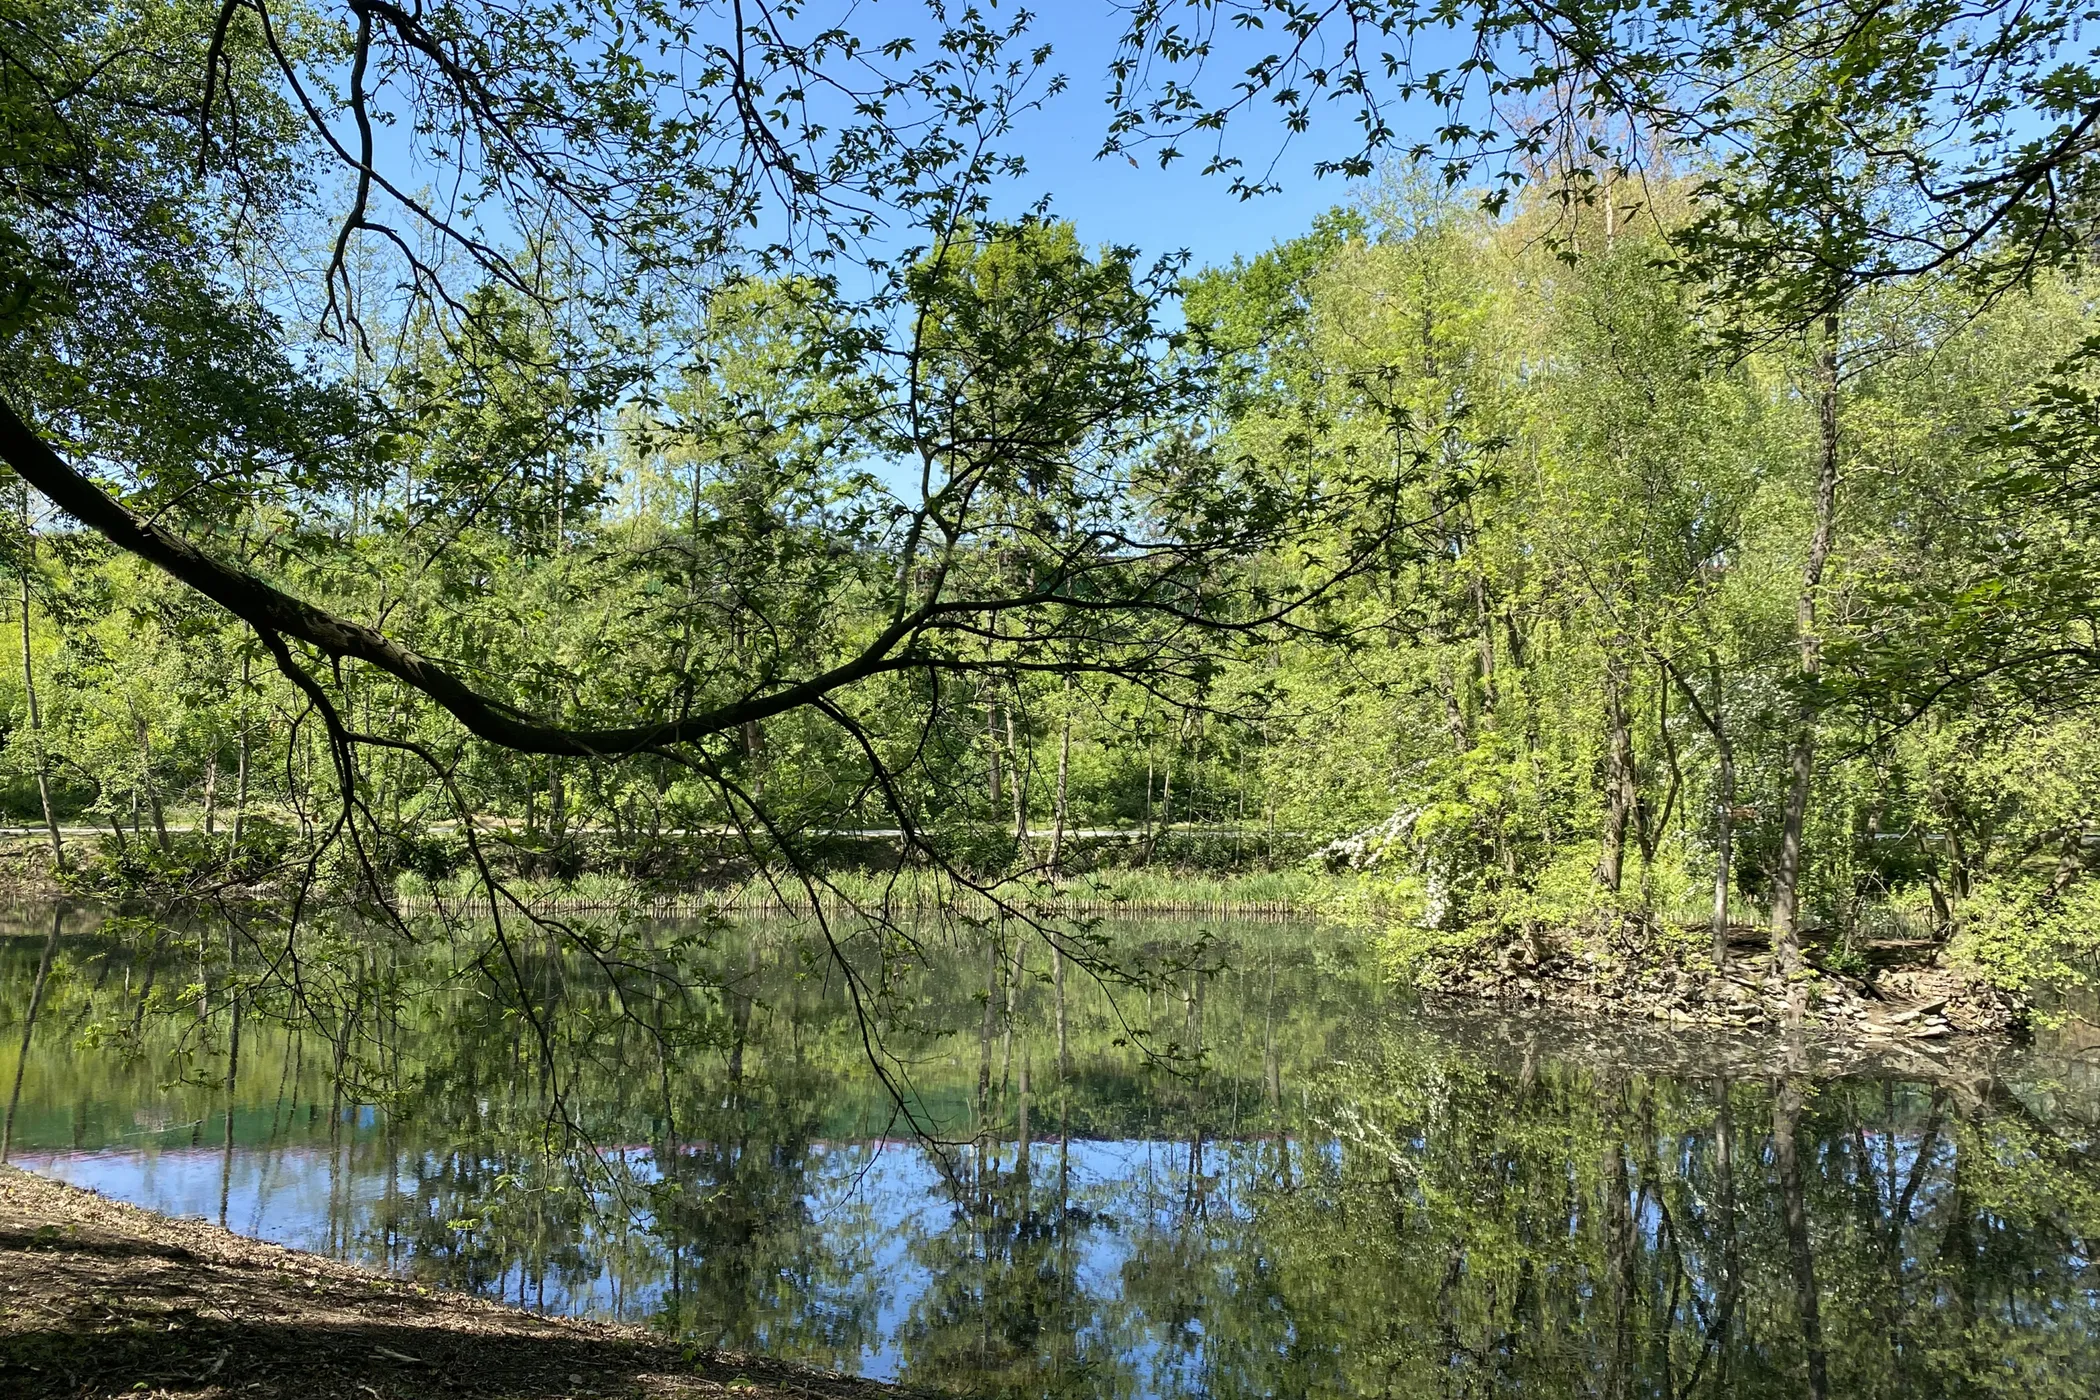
(1269,1174)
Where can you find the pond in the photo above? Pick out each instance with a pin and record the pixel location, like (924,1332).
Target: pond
(1269,1174)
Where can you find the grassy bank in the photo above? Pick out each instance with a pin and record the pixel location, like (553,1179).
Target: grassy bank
(103,1299)
(1126,893)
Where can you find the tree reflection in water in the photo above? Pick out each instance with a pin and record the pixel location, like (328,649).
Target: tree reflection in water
(1323,1189)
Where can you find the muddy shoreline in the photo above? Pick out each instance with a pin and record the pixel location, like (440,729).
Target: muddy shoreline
(102,1299)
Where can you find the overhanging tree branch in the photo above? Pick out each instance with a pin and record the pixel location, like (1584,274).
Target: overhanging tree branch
(267,608)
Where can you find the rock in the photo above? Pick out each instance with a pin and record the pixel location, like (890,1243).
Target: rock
(1649,979)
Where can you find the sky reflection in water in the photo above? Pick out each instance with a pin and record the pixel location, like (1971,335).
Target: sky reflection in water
(1352,1198)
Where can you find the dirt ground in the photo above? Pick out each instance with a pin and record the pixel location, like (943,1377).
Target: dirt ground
(103,1299)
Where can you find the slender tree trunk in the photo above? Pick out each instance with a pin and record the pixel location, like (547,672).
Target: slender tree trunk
(1786,875)
(1902,1205)
(36,1002)
(1271,1068)
(1724,857)
(1484,618)
(2070,860)
(1272,1089)
(992,744)
(1731,1268)
(1057,981)
(1724,825)
(740,1017)
(1064,769)
(240,779)
(211,792)
(1786,1119)
(36,720)
(984,1037)
(1019,764)
(556,797)
(1151,771)
(1061,1338)
(1715,722)
(1455,712)
(138,1016)
(1619,1262)
(1015,972)
(1653,827)
(1021,1125)
(152,789)
(1165,820)
(233,1070)
(1621,787)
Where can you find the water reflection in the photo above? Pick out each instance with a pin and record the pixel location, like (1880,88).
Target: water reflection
(1352,1197)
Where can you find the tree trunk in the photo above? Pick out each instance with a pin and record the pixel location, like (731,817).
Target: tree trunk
(1018,763)
(36,720)
(211,792)
(151,789)
(1484,619)
(1786,1118)
(1164,820)
(1724,825)
(1057,980)
(1619,1245)
(1786,878)
(984,1038)
(1165,815)
(1151,771)
(1621,786)
(991,738)
(36,1002)
(1021,1125)
(2070,861)
(1015,972)
(240,771)
(1947,807)
(1455,714)
(233,1070)
(1064,769)
(1730,1265)
(1653,827)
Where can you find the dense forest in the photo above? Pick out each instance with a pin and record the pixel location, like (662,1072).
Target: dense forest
(458,444)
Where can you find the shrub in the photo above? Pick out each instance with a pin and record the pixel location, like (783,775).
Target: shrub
(2018,938)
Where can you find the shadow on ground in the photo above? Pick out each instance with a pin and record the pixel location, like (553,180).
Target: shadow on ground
(99,1299)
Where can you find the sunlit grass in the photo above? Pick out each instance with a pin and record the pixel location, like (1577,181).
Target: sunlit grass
(1137,889)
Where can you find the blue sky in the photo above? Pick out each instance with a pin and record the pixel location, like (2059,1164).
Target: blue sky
(1157,211)
(1160,211)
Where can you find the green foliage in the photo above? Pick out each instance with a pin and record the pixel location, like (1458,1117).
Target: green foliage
(2018,937)
(735,459)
